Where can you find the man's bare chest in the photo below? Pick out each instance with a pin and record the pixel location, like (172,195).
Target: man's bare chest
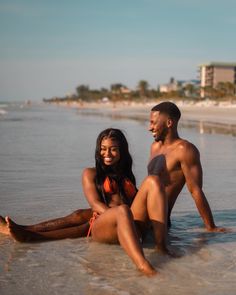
(165,160)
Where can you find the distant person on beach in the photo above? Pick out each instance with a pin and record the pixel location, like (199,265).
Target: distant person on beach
(176,161)
(120,211)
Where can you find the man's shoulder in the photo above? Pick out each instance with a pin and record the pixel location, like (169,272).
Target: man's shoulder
(156,144)
(155,148)
(185,147)
(181,146)
(185,144)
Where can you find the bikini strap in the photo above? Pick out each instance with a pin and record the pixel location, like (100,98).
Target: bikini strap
(91,222)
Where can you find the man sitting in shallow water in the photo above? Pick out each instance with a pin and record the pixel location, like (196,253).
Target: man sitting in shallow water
(177,162)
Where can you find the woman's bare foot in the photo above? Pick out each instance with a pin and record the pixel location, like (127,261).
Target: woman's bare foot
(19,233)
(3,226)
(147,269)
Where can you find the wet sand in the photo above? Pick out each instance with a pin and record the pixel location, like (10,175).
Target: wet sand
(208,117)
(43,153)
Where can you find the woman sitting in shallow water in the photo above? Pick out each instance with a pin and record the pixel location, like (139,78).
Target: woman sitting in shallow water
(120,212)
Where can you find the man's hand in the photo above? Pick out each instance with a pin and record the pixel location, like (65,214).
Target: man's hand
(217,229)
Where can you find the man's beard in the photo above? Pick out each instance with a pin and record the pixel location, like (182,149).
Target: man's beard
(162,135)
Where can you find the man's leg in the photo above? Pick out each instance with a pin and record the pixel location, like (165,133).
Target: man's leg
(150,204)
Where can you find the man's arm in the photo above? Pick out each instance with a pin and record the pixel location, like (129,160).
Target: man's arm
(192,169)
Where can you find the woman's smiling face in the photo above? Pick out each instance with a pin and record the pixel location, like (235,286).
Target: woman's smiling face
(110,151)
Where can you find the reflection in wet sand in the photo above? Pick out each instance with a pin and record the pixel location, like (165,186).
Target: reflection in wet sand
(202,126)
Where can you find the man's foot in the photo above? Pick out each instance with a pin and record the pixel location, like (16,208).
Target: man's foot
(3,226)
(148,269)
(168,252)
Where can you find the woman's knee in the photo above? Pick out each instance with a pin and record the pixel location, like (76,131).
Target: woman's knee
(77,213)
(124,211)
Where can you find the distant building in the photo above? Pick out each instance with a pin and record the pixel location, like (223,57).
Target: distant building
(194,82)
(120,91)
(173,85)
(190,88)
(187,87)
(214,72)
(125,90)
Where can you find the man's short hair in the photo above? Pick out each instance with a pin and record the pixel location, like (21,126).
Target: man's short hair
(168,108)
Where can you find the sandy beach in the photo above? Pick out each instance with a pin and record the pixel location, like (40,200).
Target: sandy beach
(44,150)
(208,116)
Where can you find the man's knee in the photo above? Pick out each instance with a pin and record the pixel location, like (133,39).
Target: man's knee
(154,182)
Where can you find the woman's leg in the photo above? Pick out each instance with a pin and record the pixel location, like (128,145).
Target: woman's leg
(117,225)
(78,217)
(150,203)
(21,234)
(3,226)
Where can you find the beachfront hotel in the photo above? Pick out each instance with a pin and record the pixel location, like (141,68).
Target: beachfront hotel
(215,72)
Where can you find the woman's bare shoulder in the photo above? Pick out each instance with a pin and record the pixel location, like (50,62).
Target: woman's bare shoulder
(89,172)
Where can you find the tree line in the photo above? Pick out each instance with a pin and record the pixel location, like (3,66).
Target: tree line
(119,91)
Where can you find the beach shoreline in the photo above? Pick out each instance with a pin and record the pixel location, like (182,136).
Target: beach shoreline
(44,150)
(207,116)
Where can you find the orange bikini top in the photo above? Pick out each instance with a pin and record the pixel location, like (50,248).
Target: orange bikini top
(110,187)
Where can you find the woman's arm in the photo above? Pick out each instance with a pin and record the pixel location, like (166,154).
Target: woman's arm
(90,191)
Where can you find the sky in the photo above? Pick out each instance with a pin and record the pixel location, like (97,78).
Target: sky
(50,47)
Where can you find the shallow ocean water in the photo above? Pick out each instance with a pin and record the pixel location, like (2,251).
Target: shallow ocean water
(43,150)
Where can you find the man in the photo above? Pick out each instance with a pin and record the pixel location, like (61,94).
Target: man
(177,161)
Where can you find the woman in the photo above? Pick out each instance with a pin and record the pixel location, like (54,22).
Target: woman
(120,212)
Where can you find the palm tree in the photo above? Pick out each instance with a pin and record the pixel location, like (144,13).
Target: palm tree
(189,89)
(83,92)
(209,92)
(143,88)
(116,93)
(230,88)
(226,88)
(115,88)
